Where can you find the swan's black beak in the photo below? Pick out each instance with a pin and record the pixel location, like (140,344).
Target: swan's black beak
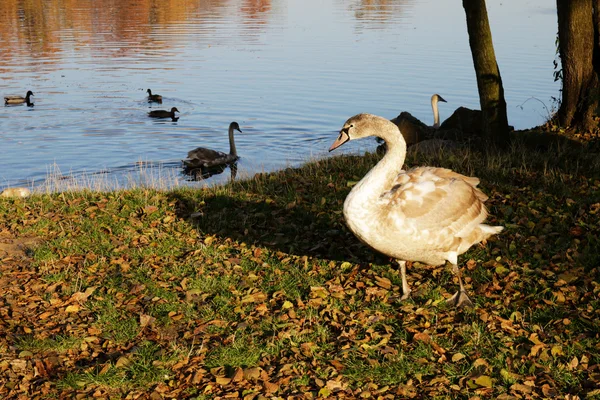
(440,98)
(239,130)
(343,138)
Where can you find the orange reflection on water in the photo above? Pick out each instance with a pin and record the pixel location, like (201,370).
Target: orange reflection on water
(37,29)
(255,13)
(378,11)
(255,8)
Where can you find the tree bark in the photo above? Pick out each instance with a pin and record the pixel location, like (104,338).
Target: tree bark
(489,82)
(580,57)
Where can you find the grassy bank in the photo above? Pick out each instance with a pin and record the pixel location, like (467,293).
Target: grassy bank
(258,289)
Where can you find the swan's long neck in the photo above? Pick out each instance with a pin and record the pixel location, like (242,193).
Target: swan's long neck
(436,113)
(232,149)
(379,180)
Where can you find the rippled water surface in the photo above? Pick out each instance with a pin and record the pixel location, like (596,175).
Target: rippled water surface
(289,71)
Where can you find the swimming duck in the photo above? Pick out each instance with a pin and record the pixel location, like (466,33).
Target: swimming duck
(154,97)
(164,113)
(202,157)
(425,214)
(19,99)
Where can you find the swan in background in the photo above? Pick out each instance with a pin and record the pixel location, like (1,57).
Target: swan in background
(425,214)
(203,158)
(18,99)
(154,97)
(164,114)
(463,121)
(414,130)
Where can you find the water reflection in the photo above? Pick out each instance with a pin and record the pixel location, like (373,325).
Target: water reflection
(378,12)
(40,28)
(256,11)
(203,173)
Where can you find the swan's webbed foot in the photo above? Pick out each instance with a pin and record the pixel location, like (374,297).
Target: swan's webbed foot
(405,295)
(460,299)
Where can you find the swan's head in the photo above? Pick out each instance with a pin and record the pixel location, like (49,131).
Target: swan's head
(236,126)
(29,93)
(365,125)
(174,110)
(149,91)
(436,97)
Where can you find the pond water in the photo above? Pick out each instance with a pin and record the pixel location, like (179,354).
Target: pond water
(289,71)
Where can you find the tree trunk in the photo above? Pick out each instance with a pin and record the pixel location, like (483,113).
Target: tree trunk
(489,82)
(580,58)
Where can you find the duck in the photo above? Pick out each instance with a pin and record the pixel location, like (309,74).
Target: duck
(203,158)
(154,97)
(413,130)
(426,214)
(164,113)
(18,99)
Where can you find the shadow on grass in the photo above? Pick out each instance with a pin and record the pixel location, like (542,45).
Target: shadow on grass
(299,211)
(287,227)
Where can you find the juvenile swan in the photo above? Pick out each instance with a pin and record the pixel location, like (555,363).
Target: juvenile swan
(413,129)
(207,158)
(425,214)
(19,99)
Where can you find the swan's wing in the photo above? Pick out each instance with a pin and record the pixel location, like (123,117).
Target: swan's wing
(7,98)
(465,120)
(435,203)
(449,174)
(202,154)
(407,118)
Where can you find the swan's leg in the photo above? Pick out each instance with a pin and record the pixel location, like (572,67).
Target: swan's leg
(460,298)
(405,289)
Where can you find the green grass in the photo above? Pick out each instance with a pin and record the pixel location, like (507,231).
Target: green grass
(233,289)
(58,343)
(146,366)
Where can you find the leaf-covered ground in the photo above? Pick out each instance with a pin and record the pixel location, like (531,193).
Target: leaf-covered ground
(258,290)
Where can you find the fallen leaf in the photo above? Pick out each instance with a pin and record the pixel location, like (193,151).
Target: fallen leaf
(146,320)
(221,380)
(72,308)
(484,381)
